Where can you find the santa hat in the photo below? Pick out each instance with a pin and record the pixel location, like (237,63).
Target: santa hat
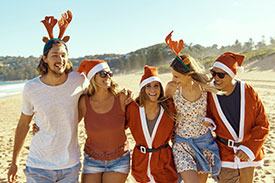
(230,62)
(150,75)
(91,67)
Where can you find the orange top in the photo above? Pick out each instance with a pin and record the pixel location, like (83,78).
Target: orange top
(105,132)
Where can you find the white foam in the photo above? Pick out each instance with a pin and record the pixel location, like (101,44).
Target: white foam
(7,89)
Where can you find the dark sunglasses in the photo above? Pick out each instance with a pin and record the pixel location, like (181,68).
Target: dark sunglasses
(219,74)
(103,74)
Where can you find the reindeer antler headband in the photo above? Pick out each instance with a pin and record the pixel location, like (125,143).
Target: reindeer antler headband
(49,22)
(176,47)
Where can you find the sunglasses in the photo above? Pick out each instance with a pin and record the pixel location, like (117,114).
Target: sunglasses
(104,74)
(219,74)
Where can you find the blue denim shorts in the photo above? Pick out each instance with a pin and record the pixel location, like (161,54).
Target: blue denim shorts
(121,165)
(68,175)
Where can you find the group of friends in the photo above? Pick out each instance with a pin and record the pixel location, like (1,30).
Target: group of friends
(172,127)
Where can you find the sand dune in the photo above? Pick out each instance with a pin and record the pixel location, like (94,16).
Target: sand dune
(263,82)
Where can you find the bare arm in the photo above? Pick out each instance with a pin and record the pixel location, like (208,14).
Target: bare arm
(20,136)
(170,89)
(125,98)
(122,98)
(81,108)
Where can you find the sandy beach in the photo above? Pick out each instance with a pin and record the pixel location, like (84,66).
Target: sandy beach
(262,81)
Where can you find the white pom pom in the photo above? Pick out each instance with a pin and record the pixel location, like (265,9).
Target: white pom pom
(240,69)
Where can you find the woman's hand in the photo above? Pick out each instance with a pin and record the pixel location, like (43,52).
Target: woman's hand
(206,123)
(129,97)
(35,129)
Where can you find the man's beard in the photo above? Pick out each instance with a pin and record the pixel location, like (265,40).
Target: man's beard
(55,73)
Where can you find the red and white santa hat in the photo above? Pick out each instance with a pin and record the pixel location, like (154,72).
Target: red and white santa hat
(230,62)
(91,67)
(150,75)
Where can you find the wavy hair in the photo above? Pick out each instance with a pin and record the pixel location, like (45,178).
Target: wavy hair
(195,71)
(92,88)
(42,67)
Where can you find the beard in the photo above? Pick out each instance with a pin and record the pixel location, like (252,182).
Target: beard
(56,74)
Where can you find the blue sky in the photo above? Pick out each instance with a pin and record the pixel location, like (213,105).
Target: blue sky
(122,26)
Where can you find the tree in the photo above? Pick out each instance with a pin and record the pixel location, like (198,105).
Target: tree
(261,44)
(237,47)
(248,45)
(272,41)
(154,57)
(121,65)
(141,60)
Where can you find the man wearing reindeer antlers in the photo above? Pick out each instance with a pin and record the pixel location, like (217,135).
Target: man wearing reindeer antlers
(51,100)
(242,124)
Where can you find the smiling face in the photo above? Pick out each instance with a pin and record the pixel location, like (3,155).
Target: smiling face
(179,78)
(57,60)
(153,90)
(103,78)
(222,83)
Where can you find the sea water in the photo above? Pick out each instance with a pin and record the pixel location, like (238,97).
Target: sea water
(8,88)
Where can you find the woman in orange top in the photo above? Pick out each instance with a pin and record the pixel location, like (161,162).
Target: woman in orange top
(150,119)
(106,157)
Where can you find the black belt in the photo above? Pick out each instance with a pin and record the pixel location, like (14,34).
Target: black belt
(229,143)
(144,150)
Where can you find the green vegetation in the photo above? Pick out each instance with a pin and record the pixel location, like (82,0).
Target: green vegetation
(21,68)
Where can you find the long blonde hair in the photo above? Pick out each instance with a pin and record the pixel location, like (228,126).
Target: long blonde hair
(92,88)
(195,71)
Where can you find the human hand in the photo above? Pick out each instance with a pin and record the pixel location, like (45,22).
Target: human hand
(242,155)
(35,129)
(129,96)
(173,138)
(12,173)
(206,123)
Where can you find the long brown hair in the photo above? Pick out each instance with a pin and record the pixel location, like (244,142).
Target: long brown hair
(42,67)
(162,100)
(195,71)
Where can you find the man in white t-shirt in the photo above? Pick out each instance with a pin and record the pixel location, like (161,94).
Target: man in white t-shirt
(51,100)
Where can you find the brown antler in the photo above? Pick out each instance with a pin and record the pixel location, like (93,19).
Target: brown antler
(49,23)
(64,22)
(174,45)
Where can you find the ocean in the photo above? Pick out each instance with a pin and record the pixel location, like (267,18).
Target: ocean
(8,88)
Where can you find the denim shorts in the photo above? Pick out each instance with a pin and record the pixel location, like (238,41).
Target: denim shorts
(121,165)
(68,175)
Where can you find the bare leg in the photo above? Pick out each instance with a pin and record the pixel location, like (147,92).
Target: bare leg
(203,177)
(92,178)
(114,177)
(189,176)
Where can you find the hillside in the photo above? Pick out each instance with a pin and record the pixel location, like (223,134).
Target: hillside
(257,57)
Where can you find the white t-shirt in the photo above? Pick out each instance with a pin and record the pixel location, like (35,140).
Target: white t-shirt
(55,110)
